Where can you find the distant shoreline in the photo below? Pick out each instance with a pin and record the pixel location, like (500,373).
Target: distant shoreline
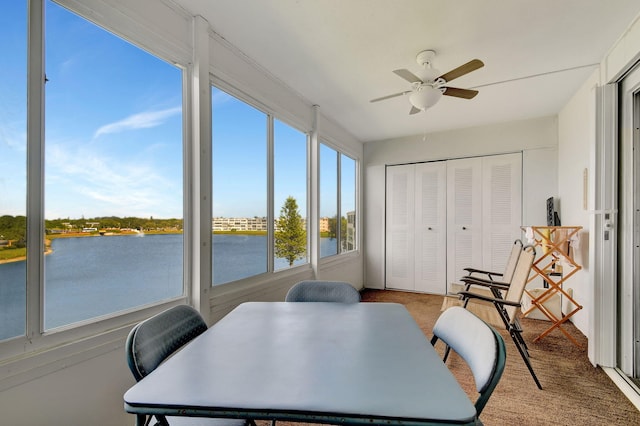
(50,237)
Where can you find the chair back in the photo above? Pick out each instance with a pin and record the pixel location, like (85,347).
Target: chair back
(510,267)
(323,291)
(519,280)
(155,339)
(481,347)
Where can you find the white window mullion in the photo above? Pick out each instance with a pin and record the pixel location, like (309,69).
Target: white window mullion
(199,209)
(339,202)
(35,171)
(271,213)
(313,193)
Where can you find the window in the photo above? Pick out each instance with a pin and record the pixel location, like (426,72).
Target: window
(337,200)
(290,182)
(347,203)
(113,185)
(328,201)
(239,224)
(13,163)
(243,138)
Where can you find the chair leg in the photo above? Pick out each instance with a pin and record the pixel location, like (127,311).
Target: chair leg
(518,327)
(525,356)
(517,330)
(447,349)
(141,419)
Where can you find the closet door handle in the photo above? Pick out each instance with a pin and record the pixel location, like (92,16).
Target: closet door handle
(429,228)
(464,228)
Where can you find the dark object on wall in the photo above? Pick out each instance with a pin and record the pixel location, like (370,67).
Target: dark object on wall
(553,219)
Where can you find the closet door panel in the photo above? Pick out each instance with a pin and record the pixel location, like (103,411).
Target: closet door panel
(502,208)
(464,216)
(400,218)
(431,227)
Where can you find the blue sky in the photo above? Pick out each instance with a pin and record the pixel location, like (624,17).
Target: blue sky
(113,133)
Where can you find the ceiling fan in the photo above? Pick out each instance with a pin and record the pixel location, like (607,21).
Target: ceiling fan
(427,92)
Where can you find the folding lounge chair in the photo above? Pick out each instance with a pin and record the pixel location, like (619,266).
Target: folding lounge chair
(500,277)
(483,277)
(507,307)
(481,347)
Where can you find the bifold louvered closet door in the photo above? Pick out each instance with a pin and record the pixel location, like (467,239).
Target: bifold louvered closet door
(447,215)
(416,227)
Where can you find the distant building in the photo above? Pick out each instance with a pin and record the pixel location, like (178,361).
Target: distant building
(350,240)
(324,224)
(241,224)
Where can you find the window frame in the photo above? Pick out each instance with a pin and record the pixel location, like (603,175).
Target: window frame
(355,201)
(272,210)
(39,352)
(335,192)
(339,210)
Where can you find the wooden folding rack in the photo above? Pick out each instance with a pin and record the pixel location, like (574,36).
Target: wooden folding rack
(554,242)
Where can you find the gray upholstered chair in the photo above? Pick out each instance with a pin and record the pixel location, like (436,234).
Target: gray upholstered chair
(481,347)
(323,291)
(154,340)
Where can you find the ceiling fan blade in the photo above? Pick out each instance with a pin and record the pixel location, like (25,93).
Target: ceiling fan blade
(390,96)
(407,75)
(460,93)
(472,65)
(414,110)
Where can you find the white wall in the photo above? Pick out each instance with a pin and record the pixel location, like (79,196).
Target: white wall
(88,393)
(576,133)
(535,138)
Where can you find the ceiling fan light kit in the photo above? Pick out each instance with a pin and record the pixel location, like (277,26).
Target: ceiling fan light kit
(427,91)
(425,98)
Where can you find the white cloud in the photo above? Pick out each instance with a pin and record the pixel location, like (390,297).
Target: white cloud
(82,182)
(14,136)
(141,120)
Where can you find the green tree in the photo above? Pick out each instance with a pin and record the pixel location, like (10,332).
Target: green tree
(14,229)
(291,235)
(333,227)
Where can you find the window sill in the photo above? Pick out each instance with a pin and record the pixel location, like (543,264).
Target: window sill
(59,350)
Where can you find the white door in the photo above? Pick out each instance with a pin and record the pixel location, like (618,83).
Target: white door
(400,241)
(501,208)
(431,227)
(442,217)
(628,235)
(464,216)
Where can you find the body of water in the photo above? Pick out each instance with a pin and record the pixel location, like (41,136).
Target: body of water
(92,276)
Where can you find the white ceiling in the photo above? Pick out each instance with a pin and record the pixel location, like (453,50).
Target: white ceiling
(339,54)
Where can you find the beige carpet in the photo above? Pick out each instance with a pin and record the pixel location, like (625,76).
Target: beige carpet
(575,392)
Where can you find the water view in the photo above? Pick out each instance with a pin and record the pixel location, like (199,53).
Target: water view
(92,276)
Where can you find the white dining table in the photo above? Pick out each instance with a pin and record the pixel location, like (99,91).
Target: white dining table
(365,363)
